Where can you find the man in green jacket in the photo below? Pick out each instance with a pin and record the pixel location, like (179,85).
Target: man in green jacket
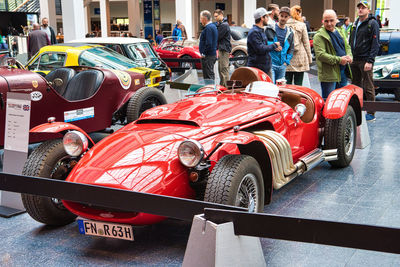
(332,53)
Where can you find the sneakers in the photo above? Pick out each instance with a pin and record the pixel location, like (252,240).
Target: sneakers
(370,117)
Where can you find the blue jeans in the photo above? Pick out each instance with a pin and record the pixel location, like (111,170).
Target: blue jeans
(278,72)
(328,87)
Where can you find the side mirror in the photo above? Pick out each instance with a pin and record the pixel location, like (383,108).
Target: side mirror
(300,109)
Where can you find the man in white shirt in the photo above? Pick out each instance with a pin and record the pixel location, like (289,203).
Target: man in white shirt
(48,30)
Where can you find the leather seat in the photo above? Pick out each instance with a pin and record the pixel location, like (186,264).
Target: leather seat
(83,85)
(246,75)
(293,99)
(65,74)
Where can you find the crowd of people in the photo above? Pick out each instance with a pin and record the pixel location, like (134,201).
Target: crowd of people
(278,44)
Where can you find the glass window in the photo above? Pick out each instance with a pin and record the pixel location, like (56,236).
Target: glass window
(104,57)
(34,65)
(141,51)
(51,61)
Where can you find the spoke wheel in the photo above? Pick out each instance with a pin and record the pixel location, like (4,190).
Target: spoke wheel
(236,180)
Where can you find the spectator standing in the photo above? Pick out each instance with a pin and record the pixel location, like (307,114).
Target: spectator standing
(364,41)
(302,57)
(159,37)
(386,23)
(208,45)
(257,47)
(332,53)
(378,19)
(49,31)
(284,35)
(36,40)
(307,23)
(224,46)
(177,32)
(347,25)
(274,15)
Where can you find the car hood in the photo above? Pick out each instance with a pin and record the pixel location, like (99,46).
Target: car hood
(382,61)
(133,160)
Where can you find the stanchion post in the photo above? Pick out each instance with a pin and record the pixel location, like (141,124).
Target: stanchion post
(212,244)
(363,139)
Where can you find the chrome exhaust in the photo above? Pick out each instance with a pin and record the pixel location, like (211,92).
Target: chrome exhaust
(280,152)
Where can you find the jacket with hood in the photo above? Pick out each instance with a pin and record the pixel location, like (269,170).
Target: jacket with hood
(366,37)
(284,56)
(325,54)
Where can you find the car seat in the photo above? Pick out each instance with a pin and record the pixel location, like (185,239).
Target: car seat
(246,75)
(65,74)
(293,99)
(83,85)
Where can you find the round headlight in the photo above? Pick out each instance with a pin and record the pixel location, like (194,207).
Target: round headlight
(75,143)
(387,70)
(190,153)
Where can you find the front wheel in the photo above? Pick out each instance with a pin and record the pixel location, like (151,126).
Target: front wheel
(145,98)
(341,134)
(240,63)
(236,180)
(48,160)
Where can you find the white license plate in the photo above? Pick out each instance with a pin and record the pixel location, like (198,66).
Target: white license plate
(113,230)
(162,73)
(148,81)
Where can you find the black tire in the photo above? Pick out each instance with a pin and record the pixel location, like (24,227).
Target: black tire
(187,65)
(228,175)
(396,92)
(42,163)
(242,63)
(341,134)
(143,99)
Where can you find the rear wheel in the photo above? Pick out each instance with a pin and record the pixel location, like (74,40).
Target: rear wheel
(341,134)
(145,98)
(48,160)
(240,63)
(236,180)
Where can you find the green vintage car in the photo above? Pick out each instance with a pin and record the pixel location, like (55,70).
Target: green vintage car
(386,75)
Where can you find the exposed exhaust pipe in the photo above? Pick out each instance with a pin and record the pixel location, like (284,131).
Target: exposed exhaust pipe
(280,152)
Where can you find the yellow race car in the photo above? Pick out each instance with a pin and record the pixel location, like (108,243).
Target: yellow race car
(56,56)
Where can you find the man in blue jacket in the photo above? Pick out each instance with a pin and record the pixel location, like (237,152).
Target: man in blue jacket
(285,36)
(257,47)
(177,32)
(208,45)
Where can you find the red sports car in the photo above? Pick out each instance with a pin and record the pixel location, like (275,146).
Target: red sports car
(171,49)
(230,145)
(90,98)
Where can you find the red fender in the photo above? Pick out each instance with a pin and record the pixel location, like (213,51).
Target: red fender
(238,138)
(56,127)
(337,102)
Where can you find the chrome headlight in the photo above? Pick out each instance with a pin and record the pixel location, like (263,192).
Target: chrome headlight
(387,70)
(190,153)
(75,143)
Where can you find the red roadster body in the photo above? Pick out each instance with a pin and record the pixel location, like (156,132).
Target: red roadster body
(230,145)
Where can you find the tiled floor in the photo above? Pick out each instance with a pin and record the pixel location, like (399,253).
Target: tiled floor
(367,192)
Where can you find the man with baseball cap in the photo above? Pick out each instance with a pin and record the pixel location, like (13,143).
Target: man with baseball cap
(364,42)
(285,37)
(257,47)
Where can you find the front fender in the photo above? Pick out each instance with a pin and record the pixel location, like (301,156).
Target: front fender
(337,102)
(57,127)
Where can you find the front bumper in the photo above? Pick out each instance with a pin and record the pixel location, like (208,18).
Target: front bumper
(387,83)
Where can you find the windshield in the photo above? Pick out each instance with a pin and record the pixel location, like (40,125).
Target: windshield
(105,58)
(262,88)
(140,51)
(239,33)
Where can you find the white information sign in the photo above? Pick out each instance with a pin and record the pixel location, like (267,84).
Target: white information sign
(17,125)
(79,114)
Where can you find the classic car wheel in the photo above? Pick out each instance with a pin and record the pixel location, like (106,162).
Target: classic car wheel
(48,160)
(236,180)
(143,99)
(186,65)
(240,63)
(341,134)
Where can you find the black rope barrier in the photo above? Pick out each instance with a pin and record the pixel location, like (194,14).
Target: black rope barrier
(340,234)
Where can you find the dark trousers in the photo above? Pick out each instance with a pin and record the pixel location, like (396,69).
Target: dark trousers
(297,76)
(207,65)
(363,79)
